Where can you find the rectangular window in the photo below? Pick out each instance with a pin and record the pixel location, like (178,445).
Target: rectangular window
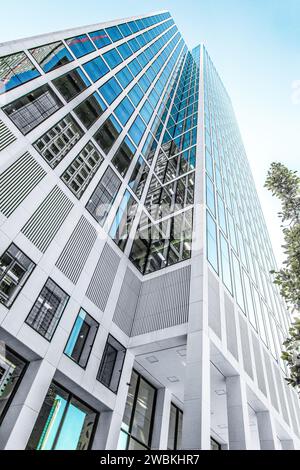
(80,343)
(139,177)
(15,269)
(110,90)
(125,51)
(112,58)
(249,300)
(210,196)
(239,295)
(90,110)
(12,369)
(211,240)
(64,423)
(111,366)
(136,94)
(32,109)
(51,56)
(136,431)
(104,195)
(124,156)
(125,30)
(80,45)
(124,111)
(54,145)
(96,69)
(123,221)
(124,77)
(82,170)
(15,70)
(114,33)
(259,315)
(225,263)
(47,310)
(221,214)
(71,84)
(108,134)
(137,130)
(100,38)
(175,428)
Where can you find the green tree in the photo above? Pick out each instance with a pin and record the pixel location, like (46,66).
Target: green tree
(285,185)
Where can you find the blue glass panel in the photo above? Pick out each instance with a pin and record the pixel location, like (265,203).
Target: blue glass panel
(112,58)
(100,38)
(133,26)
(146,112)
(114,33)
(80,45)
(110,90)
(136,94)
(211,240)
(75,332)
(125,30)
(210,196)
(125,51)
(137,130)
(52,424)
(51,56)
(15,70)
(124,111)
(71,429)
(134,45)
(144,83)
(134,67)
(96,68)
(124,77)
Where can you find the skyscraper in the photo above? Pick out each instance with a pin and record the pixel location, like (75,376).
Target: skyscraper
(137,310)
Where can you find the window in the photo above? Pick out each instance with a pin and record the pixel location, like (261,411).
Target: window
(238,282)
(71,84)
(136,431)
(51,56)
(12,369)
(104,195)
(59,140)
(114,33)
(32,109)
(211,240)
(125,51)
(225,263)
(15,70)
(124,156)
(249,300)
(82,170)
(210,196)
(96,69)
(48,309)
(123,221)
(110,90)
(112,58)
(260,314)
(108,134)
(137,130)
(175,428)
(80,45)
(124,77)
(136,94)
(124,111)
(90,110)
(139,177)
(15,269)
(80,343)
(64,423)
(111,366)
(125,29)
(100,38)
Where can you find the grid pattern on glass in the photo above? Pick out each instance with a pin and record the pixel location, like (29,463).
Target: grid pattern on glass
(104,195)
(32,109)
(175,428)
(123,221)
(15,70)
(82,170)
(64,423)
(139,177)
(51,56)
(54,145)
(111,366)
(136,430)
(15,268)
(81,340)
(47,310)
(80,45)
(71,84)
(90,110)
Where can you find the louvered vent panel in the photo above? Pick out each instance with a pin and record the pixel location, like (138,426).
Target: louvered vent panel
(17,181)
(103,278)
(47,219)
(6,136)
(75,254)
(259,367)
(127,302)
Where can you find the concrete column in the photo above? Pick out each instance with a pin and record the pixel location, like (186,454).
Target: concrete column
(266,430)
(16,428)
(115,420)
(288,445)
(161,420)
(196,414)
(237,412)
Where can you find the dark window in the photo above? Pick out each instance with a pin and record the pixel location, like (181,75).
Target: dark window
(90,110)
(71,84)
(32,109)
(12,369)
(123,221)
(139,177)
(15,70)
(64,423)
(124,156)
(104,195)
(51,56)
(82,338)
(59,140)
(110,90)
(96,69)
(100,38)
(175,428)
(114,33)
(136,431)
(80,45)
(108,134)
(15,268)
(83,168)
(111,365)
(112,58)
(48,309)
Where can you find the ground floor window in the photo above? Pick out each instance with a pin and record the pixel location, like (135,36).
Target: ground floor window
(12,369)
(214,445)
(136,431)
(175,428)
(64,423)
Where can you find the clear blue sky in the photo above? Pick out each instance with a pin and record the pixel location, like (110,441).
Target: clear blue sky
(255,45)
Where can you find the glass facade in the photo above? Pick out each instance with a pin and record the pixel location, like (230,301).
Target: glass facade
(111,366)
(15,70)
(175,428)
